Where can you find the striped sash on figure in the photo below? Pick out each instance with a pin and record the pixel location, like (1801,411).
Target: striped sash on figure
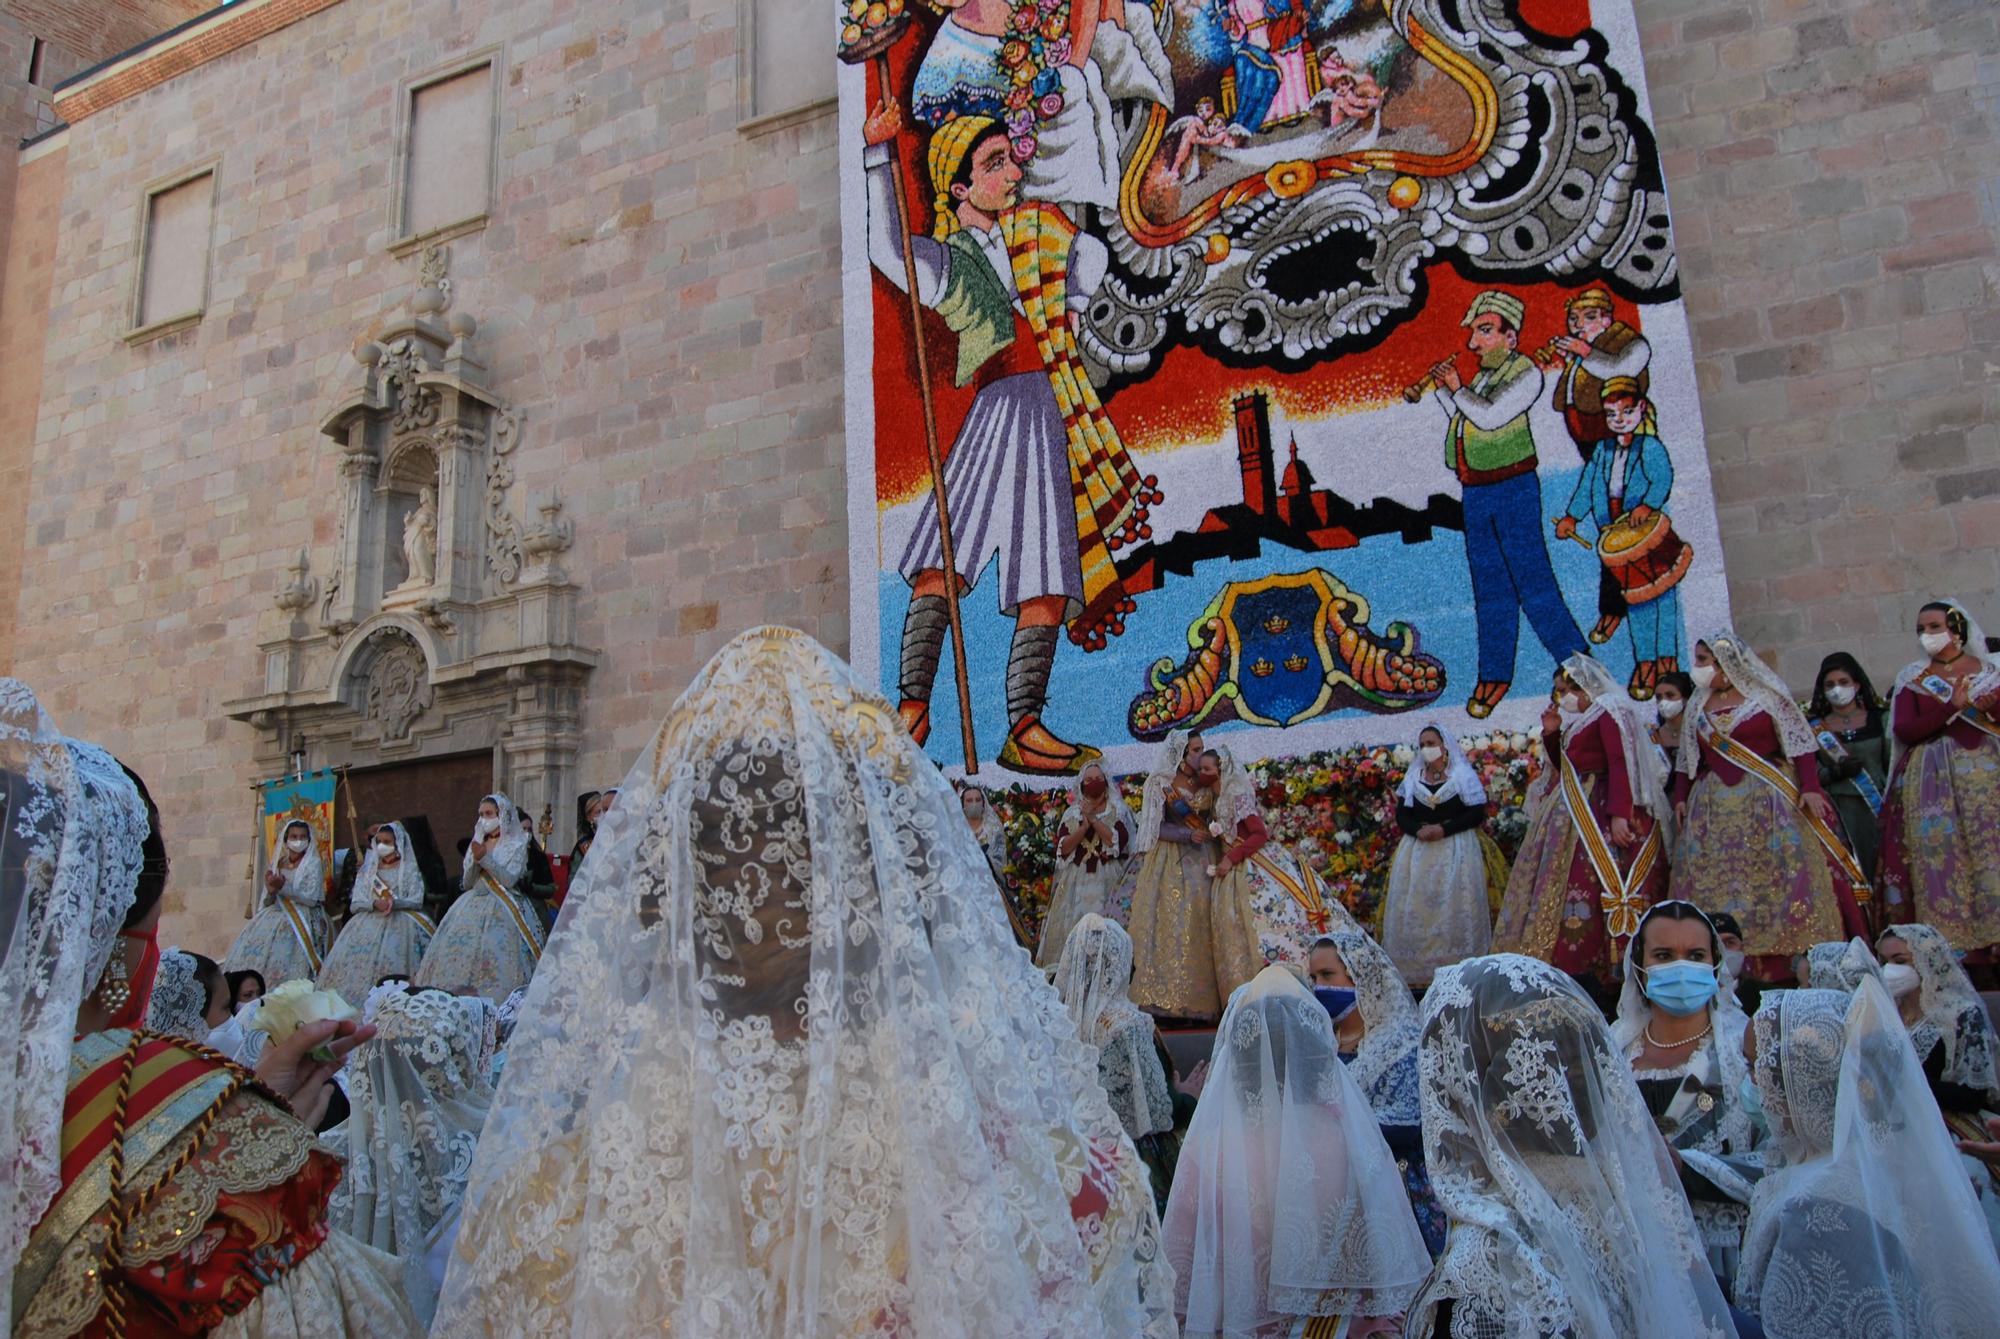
(299,931)
(492,886)
(1757,765)
(1618,892)
(1305,890)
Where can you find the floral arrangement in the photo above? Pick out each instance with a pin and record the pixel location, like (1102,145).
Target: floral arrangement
(1335,810)
(1030,61)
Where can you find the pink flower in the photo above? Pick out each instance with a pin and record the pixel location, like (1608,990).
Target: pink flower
(1024,18)
(1050,104)
(1056,53)
(1024,148)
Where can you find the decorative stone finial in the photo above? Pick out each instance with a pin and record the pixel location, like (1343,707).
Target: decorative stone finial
(434,287)
(297,593)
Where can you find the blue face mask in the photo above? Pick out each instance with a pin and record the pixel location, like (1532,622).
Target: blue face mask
(1681,988)
(1338,1001)
(1752,1098)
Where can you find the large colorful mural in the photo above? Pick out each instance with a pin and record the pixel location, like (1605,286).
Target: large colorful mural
(1300,370)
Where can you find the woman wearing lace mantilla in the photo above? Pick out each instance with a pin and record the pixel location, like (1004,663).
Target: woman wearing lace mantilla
(1190,950)
(1435,909)
(287,939)
(1285,1206)
(1865,1225)
(1941,814)
(1093,839)
(1758,838)
(386,931)
(1289,907)
(154,1187)
(491,938)
(419,1094)
(1594,856)
(1684,1037)
(1093,977)
(784,1074)
(1566,1218)
(1948,1022)
(1375,1024)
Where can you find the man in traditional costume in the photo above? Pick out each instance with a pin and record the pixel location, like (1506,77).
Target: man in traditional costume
(1598,348)
(1490,446)
(1037,474)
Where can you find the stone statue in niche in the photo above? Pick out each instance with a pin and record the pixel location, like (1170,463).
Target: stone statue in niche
(420,534)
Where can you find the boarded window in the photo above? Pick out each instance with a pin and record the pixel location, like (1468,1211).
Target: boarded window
(174,280)
(448,177)
(791,62)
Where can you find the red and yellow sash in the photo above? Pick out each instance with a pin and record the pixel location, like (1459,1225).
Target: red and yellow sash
(1305,890)
(1618,893)
(131,1094)
(1757,765)
(492,886)
(300,931)
(1979,721)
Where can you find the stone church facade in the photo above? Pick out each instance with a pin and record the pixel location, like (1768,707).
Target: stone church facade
(437,383)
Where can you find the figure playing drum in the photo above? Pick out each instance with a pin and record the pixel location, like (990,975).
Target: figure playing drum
(1623,492)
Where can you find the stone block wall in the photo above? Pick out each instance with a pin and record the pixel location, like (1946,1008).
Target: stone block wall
(1834,169)
(660,293)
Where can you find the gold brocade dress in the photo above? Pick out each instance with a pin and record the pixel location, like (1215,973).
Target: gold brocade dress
(1194,937)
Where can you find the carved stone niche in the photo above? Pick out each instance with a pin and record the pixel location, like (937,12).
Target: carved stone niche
(374,664)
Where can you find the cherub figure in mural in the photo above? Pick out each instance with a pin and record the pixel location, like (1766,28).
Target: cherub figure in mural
(1052,84)
(1270,56)
(1205,129)
(1623,492)
(1490,446)
(1037,474)
(1348,98)
(1598,347)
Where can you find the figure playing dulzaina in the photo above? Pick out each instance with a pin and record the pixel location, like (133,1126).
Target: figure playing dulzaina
(1037,474)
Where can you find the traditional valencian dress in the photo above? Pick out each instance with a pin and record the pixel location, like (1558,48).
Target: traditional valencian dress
(491,938)
(1288,902)
(1573,898)
(1749,846)
(1194,937)
(287,940)
(1941,812)
(1087,879)
(1435,910)
(375,944)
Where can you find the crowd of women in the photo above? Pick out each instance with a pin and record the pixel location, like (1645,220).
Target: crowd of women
(782,1066)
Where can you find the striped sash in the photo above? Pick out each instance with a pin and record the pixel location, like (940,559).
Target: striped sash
(1757,765)
(492,885)
(429,926)
(1305,890)
(1979,721)
(300,931)
(1618,893)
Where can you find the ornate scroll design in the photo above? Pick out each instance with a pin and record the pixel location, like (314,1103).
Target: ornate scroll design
(416,405)
(503,535)
(399,687)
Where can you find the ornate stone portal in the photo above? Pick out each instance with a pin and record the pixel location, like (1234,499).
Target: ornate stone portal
(444,626)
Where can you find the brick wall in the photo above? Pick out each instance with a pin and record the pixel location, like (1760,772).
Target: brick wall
(1835,178)
(100,29)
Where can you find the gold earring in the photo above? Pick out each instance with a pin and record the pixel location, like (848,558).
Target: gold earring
(114,989)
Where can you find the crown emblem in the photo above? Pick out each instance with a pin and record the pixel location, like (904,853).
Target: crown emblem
(1276,624)
(1262,668)
(1295,663)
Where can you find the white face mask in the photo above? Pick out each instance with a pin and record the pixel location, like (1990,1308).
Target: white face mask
(1670,707)
(489,825)
(1572,703)
(385,848)
(1840,694)
(298,845)
(1732,962)
(1901,979)
(1703,675)
(1934,643)
(1432,753)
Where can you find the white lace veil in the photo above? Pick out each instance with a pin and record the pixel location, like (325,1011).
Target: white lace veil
(1159,783)
(784,1070)
(1236,793)
(1645,765)
(1094,976)
(1763,691)
(1286,1200)
(508,858)
(1567,1218)
(1952,1007)
(179,1007)
(1461,779)
(1840,964)
(305,883)
(405,881)
(1869,1226)
(418,1095)
(1382,1065)
(71,826)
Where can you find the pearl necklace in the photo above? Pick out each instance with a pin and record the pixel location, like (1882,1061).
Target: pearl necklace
(1655,1042)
